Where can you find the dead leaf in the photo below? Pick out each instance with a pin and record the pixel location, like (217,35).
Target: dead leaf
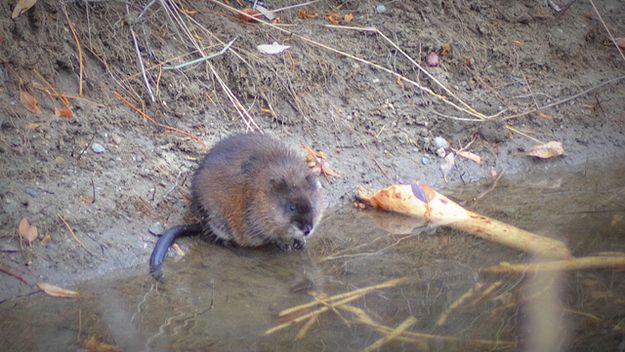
(620,42)
(446,49)
(84,199)
(547,150)
(314,159)
(56,291)
(63,112)
(33,125)
(47,238)
(326,171)
(333,17)
(27,231)
(348,18)
(306,14)
(471,156)
(544,116)
(22,6)
(249,12)
(617,219)
(312,155)
(94,345)
(28,100)
(400,82)
(272,49)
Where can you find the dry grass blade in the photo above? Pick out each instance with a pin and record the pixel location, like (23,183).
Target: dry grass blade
(304,330)
(79,48)
(468,110)
(392,335)
(417,338)
(149,118)
(330,303)
(442,318)
(69,228)
(360,291)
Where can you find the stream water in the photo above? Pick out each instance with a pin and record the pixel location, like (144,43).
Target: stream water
(218,299)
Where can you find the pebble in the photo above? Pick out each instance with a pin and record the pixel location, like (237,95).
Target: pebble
(156,229)
(441,152)
(440,142)
(425,160)
(97,148)
(31,192)
(380,8)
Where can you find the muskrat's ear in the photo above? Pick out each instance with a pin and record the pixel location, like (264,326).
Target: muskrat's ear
(312,180)
(279,184)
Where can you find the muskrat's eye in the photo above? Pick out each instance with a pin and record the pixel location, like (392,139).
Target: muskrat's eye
(292,208)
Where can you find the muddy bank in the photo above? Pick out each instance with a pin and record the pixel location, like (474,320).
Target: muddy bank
(108,173)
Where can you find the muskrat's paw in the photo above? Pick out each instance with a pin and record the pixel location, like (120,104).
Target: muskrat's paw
(299,244)
(285,247)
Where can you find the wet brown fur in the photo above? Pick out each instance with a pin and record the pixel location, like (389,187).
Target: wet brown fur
(251,190)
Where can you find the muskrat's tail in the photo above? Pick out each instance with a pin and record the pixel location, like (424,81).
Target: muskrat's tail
(165,241)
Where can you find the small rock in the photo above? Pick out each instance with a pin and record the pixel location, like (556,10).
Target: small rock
(31,192)
(97,148)
(440,142)
(380,9)
(156,229)
(116,139)
(441,152)
(432,59)
(425,160)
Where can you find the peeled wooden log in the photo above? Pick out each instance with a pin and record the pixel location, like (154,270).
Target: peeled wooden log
(421,201)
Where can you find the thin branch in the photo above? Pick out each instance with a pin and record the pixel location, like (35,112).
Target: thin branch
(565,100)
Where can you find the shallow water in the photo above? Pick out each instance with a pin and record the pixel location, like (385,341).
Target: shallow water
(220,299)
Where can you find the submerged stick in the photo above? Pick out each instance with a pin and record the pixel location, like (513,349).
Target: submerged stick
(418,338)
(442,318)
(421,201)
(360,291)
(392,335)
(596,262)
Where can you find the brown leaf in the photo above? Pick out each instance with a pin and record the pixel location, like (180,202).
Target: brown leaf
(327,171)
(94,345)
(333,17)
(22,6)
(84,199)
(544,116)
(33,125)
(249,12)
(63,112)
(27,231)
(400,82)
(55,291)
(23,227)
(547,150)
(28,100)
(620,42)
(348,18)
(446,49)
(306,14)
(471,156)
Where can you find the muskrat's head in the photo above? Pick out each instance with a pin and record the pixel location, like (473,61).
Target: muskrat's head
(294,205)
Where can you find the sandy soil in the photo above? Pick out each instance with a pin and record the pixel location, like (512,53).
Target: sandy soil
(500,58)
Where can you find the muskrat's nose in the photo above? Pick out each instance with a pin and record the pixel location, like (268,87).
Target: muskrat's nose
(307,229)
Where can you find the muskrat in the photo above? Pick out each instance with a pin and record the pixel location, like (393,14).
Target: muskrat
(250,190)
